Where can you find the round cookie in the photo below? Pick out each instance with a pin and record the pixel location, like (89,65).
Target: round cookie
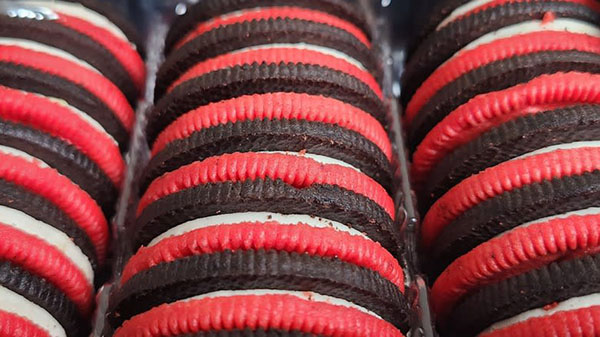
(516,251)
(305,312)
(502,47)
(510,140)
(63,157)
(95,45)
(238,36)
(441,45)
(205,12)
(490,110)
(548,288)
(43,294)
(33,71)
(260,79)
(67,196)
(259,269)
(287,135)
(283,183)
(15,201)
(514,193)
(497,76)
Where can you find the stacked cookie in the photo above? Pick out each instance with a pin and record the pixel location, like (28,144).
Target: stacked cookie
(502,107)
(265,208)
(69,75)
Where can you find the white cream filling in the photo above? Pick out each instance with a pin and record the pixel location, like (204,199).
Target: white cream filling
(527,27)
(305,46)
(462,10)
(580,212)
(233,218)
(16,304)
(565,146)
(304,295)
(81,12)
(82,115)
(43,48)
(23,155)
(574,303)
(52,236)
(316,157)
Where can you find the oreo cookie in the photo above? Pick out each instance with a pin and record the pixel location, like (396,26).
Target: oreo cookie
(441,45)
(496,76)
(513,139)
(259,79)
(548,288)
(39,82)
(43,294)
(313,138)
(557,35)
(488,110)
(84,41)
(517,251)
(209,11)
(16,198)
(544,195)
(326,189)
(63,157)
(303,313)
(238,36)
(247,270)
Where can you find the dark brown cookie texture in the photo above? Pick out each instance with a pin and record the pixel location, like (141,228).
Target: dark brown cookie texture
(496,76)
(513,139)
(206,10)
(267,195)
(510,209)
(273,135)
(441,45)
(254,33)
(258,79)
(34,205)
(547,285)
(63,157)
(36,81)
(247,270)
(54,34)
(42,293)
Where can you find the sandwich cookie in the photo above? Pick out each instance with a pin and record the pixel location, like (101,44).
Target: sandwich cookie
(19,284)
(526,247)
(34,211)
(259,309)
(510,140)
(260,79)
(86,34)
(510,194)
(114,114)
(486,111)
(565,286)
(502,64)
(506,18)
(274,182)
(284,53)
(259,269)
(73,201)
(62,156)
(239,36)
(208,15)
(279,135)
